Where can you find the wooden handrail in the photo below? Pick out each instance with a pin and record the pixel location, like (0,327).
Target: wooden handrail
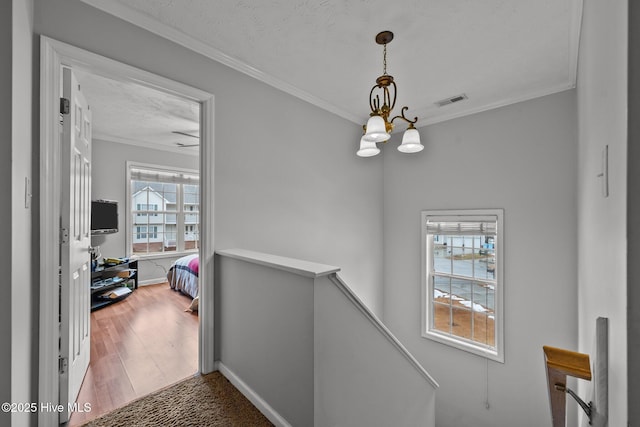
(561,363)
(569,362)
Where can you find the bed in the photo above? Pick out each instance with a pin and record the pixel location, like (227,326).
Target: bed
(183,276)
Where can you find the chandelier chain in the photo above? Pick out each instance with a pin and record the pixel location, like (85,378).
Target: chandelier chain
(384,60)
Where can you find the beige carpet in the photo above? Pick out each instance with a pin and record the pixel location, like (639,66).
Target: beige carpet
(202,400)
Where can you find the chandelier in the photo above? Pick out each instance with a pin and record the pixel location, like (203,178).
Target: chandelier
(382,99)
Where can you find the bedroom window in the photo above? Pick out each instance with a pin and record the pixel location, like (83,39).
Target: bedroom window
(463,280)
(164,210)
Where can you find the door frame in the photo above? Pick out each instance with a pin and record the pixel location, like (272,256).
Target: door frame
(53,55)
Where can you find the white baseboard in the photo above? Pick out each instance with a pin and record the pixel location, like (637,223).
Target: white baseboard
(253,397)
(151,281)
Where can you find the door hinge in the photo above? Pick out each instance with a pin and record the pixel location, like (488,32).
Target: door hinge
(64,235)
(64,106)
(62,365)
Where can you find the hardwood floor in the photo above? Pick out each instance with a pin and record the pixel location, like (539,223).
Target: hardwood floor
(138,345)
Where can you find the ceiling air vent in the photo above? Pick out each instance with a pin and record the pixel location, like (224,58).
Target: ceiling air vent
(451,100)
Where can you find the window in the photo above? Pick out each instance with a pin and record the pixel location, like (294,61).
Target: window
(462,280)
(164,210)
(141,232)
(140,207)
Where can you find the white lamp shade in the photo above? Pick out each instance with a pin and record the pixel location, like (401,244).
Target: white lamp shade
(376,130)
(367,148)
(410,141)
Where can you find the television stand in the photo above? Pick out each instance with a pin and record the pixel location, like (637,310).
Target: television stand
(111,283)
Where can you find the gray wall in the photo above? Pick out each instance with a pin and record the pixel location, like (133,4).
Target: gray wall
(522,158)
(602,264)
(299,195)
(6,148)
(633,213)
(22,277)
(280,188)
(265,316)
(19,318)
(108,181)
(360,377)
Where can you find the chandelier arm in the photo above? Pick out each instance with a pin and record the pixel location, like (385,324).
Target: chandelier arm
(374,102)
(395,96)
(403,117)
(387,101)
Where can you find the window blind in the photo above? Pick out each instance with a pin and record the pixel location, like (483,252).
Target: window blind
(152,175)
(467,227)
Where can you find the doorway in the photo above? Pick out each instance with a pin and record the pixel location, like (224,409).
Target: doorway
(55,55)
(144,340)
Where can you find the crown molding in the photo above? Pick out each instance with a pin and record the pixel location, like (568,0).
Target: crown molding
(432,116)
(152,25)
(425,116)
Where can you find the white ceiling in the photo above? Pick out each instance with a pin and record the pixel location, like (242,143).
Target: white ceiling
(129,113)
(496,52)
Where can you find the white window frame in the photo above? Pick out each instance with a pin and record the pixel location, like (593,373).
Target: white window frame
(496,352)
(180,211)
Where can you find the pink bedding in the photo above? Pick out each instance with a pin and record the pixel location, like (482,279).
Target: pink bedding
(183,275)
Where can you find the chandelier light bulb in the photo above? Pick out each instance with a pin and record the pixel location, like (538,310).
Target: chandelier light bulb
(410,141)
(367,148)
(376,130)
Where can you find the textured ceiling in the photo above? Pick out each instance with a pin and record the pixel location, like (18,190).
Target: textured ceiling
(495,51)
(129,113)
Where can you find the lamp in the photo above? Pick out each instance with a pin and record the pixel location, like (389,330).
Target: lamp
(379,127)
(367,148)
(410,141)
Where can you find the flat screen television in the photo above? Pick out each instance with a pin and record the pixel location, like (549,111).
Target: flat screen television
(104,216)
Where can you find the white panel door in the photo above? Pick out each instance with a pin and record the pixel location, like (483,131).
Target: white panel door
(75,301)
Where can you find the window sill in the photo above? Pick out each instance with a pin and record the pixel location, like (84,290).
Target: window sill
(163,255)
(479,350)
